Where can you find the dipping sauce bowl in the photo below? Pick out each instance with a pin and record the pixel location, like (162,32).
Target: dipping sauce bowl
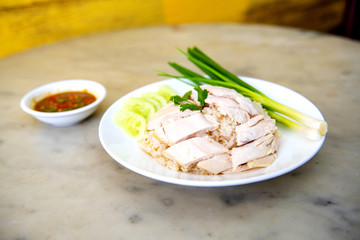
(66,118)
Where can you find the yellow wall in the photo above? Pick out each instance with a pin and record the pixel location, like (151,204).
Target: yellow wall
(189,11)
(29,23)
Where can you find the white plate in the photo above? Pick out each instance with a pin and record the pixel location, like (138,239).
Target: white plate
(294,150)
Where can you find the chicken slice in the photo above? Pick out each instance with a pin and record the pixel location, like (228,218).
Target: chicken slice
(228,107)
(185,128)
(254,150)
(255,128)
(221,102)
(167,113)
(275,142)
(245,103)
(262,162)
(257,163)
(194,150)
(216,164)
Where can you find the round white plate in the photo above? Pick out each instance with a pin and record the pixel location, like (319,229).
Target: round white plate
(294,150)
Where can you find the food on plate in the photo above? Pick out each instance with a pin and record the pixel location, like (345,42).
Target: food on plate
(211,130)
(131,122)
(311,128)
(64,101)
(222,126)
(132,117)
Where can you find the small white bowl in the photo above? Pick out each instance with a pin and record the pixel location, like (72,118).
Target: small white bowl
(68,118)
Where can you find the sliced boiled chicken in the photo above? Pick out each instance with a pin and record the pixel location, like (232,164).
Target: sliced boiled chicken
(228,107)
(194,150)
(244,103)
(216,164)
(184,128)
(257,163)
(262,162)
(167,113)
(255,128)
(231,134)
(259,148)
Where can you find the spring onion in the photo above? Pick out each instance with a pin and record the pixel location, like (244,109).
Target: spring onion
(218,76)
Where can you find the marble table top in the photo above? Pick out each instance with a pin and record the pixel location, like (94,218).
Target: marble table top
(59,183)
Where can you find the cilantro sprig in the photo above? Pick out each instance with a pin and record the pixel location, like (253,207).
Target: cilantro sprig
(185,103)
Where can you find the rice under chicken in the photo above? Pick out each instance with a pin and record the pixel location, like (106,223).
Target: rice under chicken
(242,128)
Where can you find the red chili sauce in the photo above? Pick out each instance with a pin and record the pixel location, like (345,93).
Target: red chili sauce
(65,101)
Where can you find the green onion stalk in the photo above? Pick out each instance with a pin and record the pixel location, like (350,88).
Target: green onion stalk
(218,76)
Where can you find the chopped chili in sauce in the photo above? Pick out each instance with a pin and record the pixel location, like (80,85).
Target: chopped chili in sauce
(65,101)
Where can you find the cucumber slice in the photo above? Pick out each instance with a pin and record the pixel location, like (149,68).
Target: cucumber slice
(155,96)
(139,106)
(154,102)
(132,117)
(132,123)
(166,91)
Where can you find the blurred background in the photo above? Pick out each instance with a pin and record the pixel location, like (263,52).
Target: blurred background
(29,23)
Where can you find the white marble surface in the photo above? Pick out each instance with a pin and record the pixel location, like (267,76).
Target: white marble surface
(59,183)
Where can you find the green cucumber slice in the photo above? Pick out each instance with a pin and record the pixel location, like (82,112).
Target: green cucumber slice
(139,106)
(155,96)
(132,123)
(166,91)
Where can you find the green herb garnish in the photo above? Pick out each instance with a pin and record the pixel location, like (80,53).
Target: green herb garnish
(185,103)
